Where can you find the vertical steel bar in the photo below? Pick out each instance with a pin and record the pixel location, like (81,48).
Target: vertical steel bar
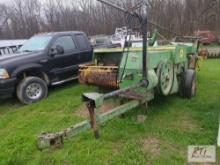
(144,32)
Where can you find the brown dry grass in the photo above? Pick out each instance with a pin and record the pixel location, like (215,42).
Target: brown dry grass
(152,146)
(82,111)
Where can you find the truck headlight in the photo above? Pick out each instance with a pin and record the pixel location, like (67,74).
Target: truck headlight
(4,74)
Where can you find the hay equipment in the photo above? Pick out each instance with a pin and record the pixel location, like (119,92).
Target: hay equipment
(134,76)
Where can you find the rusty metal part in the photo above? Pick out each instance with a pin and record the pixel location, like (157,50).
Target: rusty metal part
(213,52)
(203,53)
(102,76)
(144,83)
(133,95)
(209,53)
(192,61)
(45,140)
(93,119)
(50,139)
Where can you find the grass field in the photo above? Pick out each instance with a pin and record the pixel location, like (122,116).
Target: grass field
(172,124)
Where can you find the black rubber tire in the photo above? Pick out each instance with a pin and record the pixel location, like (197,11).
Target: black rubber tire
(188,84)
(22,86)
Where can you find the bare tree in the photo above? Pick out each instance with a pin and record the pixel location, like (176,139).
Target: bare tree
(23,18)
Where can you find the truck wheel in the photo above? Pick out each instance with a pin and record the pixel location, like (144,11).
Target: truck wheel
(31,90)
(188,84)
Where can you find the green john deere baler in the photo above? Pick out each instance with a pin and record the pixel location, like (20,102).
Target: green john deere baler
(134,76)
(118,69)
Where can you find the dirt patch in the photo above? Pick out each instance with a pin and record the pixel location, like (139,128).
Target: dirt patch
(107,106)
(152,146)
(118,147)
(188,126)
(82,111)
(141,119)
(185,123)
(156,147)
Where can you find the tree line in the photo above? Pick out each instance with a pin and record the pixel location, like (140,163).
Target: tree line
(24,18)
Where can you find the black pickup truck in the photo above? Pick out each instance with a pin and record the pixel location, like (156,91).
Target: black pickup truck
(45,59)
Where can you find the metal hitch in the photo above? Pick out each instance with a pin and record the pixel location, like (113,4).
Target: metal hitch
(46,140)
(93,102)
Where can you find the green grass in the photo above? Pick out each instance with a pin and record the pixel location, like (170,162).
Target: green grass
(172,124)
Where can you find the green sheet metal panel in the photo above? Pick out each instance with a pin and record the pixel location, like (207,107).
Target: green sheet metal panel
(133,60)
(181,53)
(131,65)
(115,50)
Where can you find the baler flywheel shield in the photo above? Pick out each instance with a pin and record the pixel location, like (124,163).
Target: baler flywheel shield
(102,76)
(165,72)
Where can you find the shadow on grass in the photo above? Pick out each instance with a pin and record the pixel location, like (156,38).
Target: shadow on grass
(56,88)
(4,103)
(9,101)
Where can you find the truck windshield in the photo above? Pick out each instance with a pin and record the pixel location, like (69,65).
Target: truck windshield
(36,43)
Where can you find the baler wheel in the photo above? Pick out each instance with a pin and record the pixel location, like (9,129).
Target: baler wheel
(165,73)
(188,84)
